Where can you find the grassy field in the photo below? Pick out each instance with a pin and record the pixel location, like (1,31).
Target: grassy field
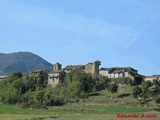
(8,112)
(100,105)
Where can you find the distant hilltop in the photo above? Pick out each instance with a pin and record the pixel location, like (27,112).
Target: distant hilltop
(22,62)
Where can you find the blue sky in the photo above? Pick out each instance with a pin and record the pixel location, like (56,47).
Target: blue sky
(116,32)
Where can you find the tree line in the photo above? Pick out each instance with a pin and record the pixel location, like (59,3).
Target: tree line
(147,91)
(33,91)
(29,90)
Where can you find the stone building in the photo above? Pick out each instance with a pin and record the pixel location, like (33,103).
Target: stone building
(151,78)
(2,77)
(92,68)
(105,71)
(119,72)
(57,75)
(40,73)
(69,68)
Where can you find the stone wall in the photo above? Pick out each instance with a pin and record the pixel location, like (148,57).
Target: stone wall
(88,68)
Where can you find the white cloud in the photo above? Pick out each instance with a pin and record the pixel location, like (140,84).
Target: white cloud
(36,16)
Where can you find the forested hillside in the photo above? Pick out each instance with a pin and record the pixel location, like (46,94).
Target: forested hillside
(22,62)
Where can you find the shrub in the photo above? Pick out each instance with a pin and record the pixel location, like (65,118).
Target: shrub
(157,109)
(136,92)
(142,101)
(126,81)
(157,100)
(113,88)
(145,86)
(32,105)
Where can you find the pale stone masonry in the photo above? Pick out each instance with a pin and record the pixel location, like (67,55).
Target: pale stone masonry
(119,72)
(40,73)
(59,74)
(92,68)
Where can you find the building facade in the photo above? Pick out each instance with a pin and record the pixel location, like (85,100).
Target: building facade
(40,73)
(57,75)
(118,72)
(151,78)
(2,77)
(92,68)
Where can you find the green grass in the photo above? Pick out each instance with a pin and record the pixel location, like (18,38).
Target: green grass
(64,110)
(11,109)
(10,112)
(17,116)
(104,109)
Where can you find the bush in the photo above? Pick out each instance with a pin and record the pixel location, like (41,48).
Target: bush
(145,86)
(13,76)
(113,88)
(156,83)
(157,109)
(32,105)
(126,81)
(157,100)
(142,101)
(136,92)
(83,95)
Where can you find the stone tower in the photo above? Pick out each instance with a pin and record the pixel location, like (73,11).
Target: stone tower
(95,68)
(57,67)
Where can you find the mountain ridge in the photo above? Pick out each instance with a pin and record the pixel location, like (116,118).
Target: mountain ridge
(22,62)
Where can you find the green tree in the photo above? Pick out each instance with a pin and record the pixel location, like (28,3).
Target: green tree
(156,83)
(48,99)
(113,88)
(126,81)
(145,86)
(78,81)
(22,88)
(39,96)
(75,88)
(82,77)
(157,100)
(100,83)
(136,92)
(13,76)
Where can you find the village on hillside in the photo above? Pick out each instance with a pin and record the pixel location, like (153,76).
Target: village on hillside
(81,85)
(58,74)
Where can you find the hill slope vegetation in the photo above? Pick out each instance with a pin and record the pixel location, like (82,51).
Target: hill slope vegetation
(22,62)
